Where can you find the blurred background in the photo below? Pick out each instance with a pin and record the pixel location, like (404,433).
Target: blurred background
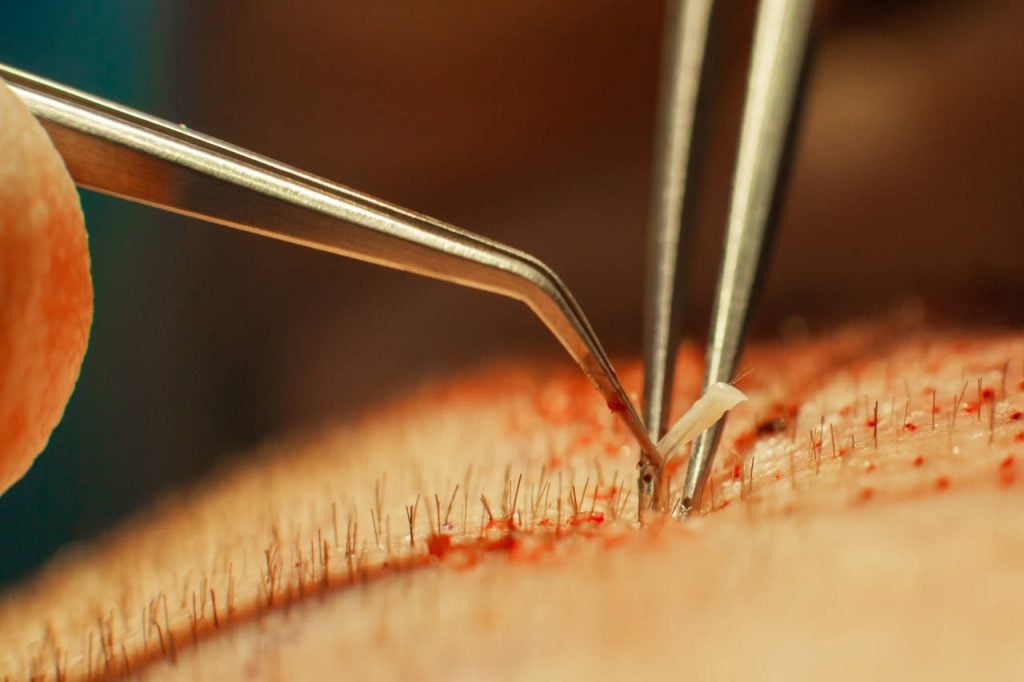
(529,122)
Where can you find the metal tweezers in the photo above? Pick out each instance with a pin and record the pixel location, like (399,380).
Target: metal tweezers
(115,150)
(776,65)
(125,153)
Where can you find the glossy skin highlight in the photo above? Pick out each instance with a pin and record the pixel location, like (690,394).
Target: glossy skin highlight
(45,288)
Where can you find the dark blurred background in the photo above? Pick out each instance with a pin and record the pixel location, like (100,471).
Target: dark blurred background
(530,122)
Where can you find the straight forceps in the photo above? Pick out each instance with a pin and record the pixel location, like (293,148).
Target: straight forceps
(125,153)
(776,66)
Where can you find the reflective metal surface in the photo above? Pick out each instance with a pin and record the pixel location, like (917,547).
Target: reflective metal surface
(125,153)
(683,50)
(780,41)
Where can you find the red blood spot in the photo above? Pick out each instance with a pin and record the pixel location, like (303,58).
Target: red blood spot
(870,423)
(789,411)
(1020,384)
(743,441)
(737,471)
(778,476)
(910,426)
(865,494)
(596,518)
(918,461)
(439,545)
(1007,471)
(584,440)
(555,462)
(616,405)
(725,503)
(942,483)
(1019,436)
(1016,416)
(840,452)
(970,407)
(869,466)
(936,409)
(506,543)
(987,394)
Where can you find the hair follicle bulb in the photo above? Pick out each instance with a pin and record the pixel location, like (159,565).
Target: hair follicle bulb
(718,399)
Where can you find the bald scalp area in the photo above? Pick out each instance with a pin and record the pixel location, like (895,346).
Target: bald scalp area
(45,288)
(863,517)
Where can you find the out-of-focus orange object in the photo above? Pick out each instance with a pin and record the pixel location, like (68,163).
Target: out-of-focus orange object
(45,288)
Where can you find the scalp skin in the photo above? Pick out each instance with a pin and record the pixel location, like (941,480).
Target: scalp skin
(894,555)
(45,288)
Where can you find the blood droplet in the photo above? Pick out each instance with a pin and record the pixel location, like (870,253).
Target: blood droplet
(942,483)
(743,441)
(439,545)
(918,461)
(1007,471)
(596,518)
(616,405)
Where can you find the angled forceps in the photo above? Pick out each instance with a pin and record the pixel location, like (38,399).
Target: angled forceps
(776,67)
(119,151)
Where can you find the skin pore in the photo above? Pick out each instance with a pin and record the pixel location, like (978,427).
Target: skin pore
(863,518)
